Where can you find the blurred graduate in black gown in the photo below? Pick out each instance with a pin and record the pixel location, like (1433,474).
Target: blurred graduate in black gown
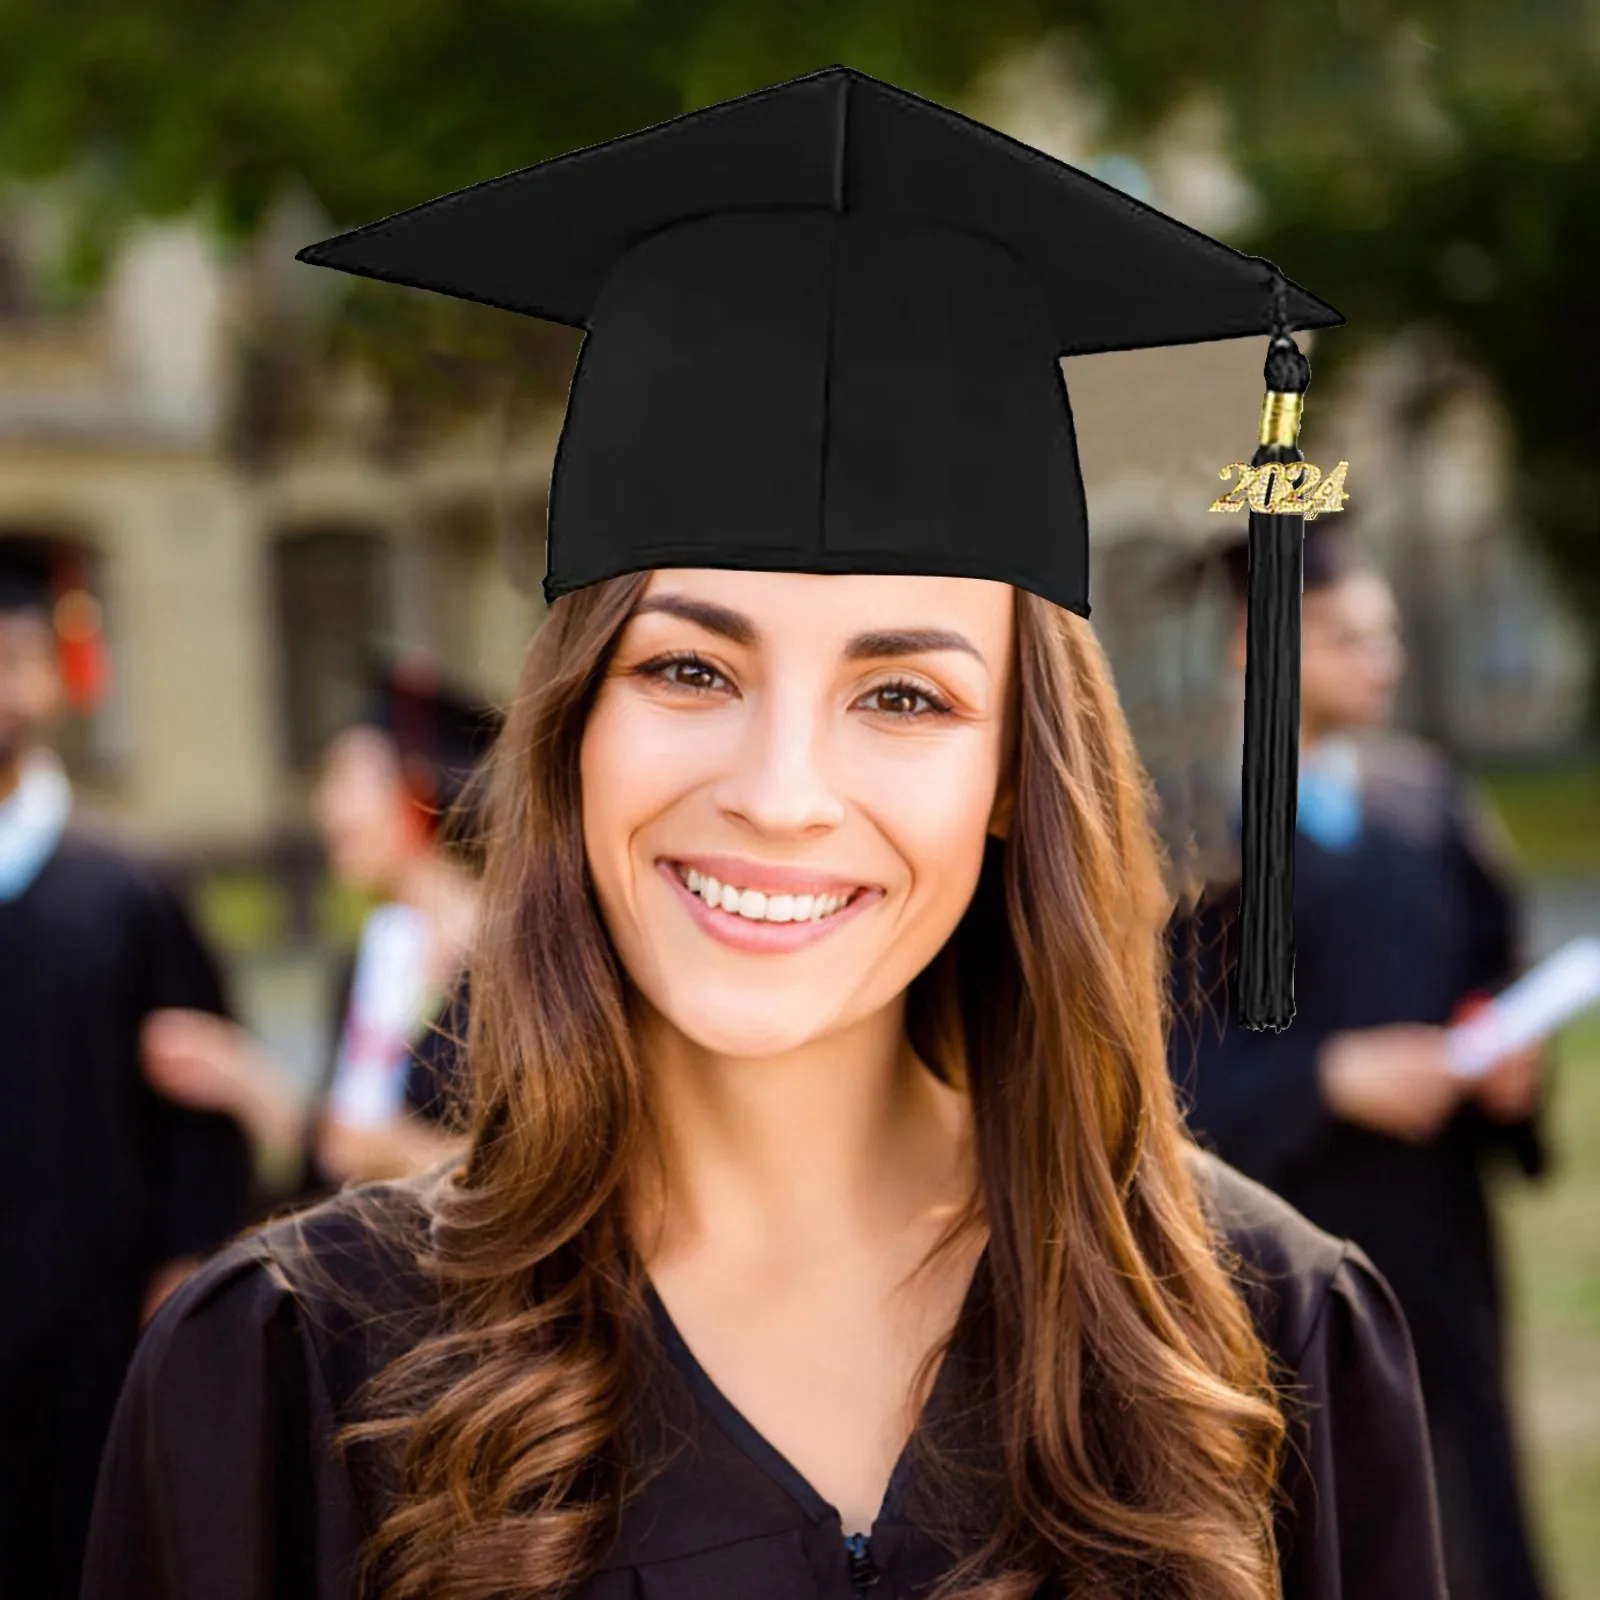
(395,812)
(1404,911)
(108,1193)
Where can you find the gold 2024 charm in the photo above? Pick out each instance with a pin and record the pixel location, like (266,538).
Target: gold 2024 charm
(1283,488)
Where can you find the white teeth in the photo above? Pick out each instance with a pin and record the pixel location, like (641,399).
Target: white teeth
(755,906)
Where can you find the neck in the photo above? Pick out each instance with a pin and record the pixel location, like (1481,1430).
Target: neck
(12,766)
(840,1145)
(1313,732)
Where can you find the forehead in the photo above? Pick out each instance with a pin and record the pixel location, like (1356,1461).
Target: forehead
(1359,599)
(25,628)
(361,744)
(827,604)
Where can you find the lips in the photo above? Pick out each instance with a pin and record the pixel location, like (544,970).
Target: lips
(769,879)
(748,922)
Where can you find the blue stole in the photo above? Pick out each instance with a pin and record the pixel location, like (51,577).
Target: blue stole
(32,818)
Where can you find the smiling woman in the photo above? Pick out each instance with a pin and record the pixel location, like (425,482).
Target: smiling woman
(827,1225)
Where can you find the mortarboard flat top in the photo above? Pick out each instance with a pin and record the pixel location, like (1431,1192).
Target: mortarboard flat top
(824,321)
(26,575)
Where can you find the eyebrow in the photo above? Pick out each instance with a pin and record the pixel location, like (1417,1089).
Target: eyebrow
(875,645)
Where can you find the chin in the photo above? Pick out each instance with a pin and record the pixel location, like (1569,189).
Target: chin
(747,1022)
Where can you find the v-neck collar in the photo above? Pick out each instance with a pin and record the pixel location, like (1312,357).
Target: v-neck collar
(763,1452)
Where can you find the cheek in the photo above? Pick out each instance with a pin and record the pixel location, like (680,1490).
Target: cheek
(933,803)
(1321,677)
(37,694)
(366,820)
(933,806)
(631,769)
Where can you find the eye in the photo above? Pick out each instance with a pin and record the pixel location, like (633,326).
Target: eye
(902,699)
(682,672)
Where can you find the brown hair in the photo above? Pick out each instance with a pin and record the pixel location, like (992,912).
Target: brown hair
(1136,1432)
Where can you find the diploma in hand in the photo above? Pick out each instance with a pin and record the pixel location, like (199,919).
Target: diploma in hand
(1539,1002)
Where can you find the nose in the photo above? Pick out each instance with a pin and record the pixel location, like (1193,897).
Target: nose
(778,781)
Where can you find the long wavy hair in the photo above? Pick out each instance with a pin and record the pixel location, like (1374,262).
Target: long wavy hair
(1135,1431)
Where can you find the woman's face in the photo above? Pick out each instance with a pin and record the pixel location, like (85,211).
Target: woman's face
(819,755)
(362,810)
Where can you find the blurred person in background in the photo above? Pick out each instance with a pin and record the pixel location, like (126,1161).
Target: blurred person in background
(1405,914)
(393,808)
(109,1194)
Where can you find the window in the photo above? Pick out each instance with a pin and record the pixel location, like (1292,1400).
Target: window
(335,608)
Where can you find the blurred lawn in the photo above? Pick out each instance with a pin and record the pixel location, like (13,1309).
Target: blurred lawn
(1552,1250)
(1552,1229)
(1552,812)
(247,912)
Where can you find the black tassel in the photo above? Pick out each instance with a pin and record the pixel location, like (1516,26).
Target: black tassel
(1264,979)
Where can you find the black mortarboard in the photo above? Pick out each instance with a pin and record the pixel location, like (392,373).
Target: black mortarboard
(823,329)
(442,733)
(27,575)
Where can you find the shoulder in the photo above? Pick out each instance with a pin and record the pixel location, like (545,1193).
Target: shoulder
(1287,1268)
(363,1231)
(338,1283)
(1407,782)
(1401,756)
(107,870)
(87,851)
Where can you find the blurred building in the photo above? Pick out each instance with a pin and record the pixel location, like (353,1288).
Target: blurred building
(240,594)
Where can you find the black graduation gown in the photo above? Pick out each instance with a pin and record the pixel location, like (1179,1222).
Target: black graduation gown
(1416,915)
(101,1181)
(219,1479)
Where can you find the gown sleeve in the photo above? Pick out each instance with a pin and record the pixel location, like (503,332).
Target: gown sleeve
(218,1477)
(1359,1479)
(200,1162)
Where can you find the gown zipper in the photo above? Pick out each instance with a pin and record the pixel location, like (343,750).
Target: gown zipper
(858,1546)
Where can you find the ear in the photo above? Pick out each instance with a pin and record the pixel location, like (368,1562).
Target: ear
(1000,813)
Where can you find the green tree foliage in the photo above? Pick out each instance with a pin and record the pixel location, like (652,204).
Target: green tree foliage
(1489,238)
(1433,164)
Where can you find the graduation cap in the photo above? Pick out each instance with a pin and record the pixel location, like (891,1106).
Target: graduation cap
(823,329)
(442,734)
(27,576)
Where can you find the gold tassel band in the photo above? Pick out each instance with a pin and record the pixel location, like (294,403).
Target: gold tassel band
(1280,417)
